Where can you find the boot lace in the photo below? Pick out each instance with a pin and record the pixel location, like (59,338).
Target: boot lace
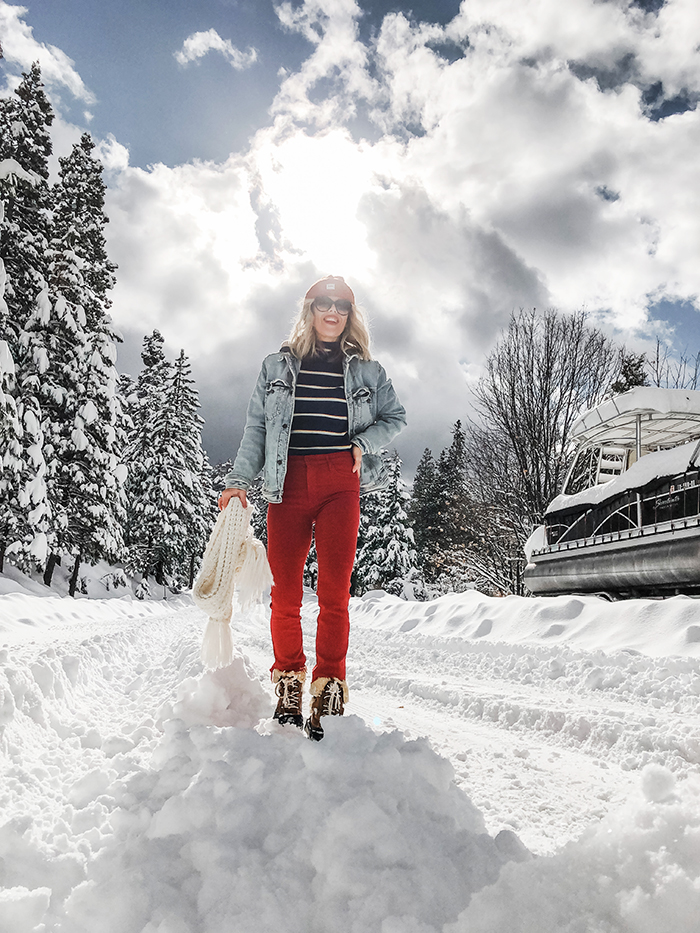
(333,699)
(288,689)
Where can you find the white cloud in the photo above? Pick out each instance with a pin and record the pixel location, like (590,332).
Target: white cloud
(659,46)
(513,136)
(114,156)
(20,47)
(199,44)
(670,52)
(338,56)
(519,182)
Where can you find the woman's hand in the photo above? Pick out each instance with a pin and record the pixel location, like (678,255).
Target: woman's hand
(231,493)
(357,457)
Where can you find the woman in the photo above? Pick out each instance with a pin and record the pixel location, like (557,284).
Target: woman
(320,413)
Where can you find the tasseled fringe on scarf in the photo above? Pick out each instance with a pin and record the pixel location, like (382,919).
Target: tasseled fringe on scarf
(217,646)
(233,559)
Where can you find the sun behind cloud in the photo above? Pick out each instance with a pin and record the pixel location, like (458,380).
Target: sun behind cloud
(316,184)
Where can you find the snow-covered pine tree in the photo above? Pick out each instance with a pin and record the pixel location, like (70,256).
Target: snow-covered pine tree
(367,537)
(25,121)
(387,553)
(218,474)
(395,555)
(171,505)
(55,334)
(310,577)
(423,511)
(25,146)
(453,507)
(151,504)
(89,427)
(190,471)
(259,520)
(254,497)
(11,515)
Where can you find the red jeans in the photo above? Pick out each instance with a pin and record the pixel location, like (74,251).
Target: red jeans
(321,493)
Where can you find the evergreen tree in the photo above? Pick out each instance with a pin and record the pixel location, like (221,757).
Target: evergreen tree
(34,537)
(25,120)
(171,504)
(423,506)
(86,475)
(11,515)
(218,474)
(259,519)
(310,577)
(151,509)
(395,555)
(453,492)
(632,372)
(387,555)
(52,375)
(366,537)
(190,471)
(254,497)
(452,531)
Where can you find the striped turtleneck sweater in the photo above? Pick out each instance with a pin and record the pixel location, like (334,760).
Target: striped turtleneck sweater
(320,422)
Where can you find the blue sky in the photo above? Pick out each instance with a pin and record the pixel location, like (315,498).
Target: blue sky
(454,162)
(163,112)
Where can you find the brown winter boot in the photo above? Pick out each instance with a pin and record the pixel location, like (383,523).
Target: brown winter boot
(289,685)
(329,696)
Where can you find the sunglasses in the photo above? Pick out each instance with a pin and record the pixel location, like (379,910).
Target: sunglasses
(342,305)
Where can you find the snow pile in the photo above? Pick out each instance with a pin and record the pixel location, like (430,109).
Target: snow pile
(228,696)
(637,871)
(239,831)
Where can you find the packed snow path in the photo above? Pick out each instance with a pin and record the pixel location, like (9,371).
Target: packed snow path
(543,738)
(125,808)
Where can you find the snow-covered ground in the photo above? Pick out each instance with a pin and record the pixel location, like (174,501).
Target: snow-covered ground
(504,766)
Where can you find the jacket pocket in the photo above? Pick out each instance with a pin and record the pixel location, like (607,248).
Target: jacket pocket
(277,396)
(364,406)
(373,473)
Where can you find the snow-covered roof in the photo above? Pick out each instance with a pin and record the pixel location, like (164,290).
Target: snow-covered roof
(652,466)
(669,417)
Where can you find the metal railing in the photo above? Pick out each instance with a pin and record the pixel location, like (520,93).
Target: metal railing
(675,503)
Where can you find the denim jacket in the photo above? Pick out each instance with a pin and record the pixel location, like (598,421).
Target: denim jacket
(375,417)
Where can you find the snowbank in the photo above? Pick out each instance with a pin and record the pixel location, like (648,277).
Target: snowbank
(98,581)
(140,794)
(655,628)
(637,871)
(29,609)
(24,617)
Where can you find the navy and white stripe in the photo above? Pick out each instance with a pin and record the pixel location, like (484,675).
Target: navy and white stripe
(320,421)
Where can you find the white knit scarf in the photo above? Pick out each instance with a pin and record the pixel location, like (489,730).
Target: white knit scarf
(233,558)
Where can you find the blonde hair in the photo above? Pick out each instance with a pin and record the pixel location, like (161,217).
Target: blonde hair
(302,338)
